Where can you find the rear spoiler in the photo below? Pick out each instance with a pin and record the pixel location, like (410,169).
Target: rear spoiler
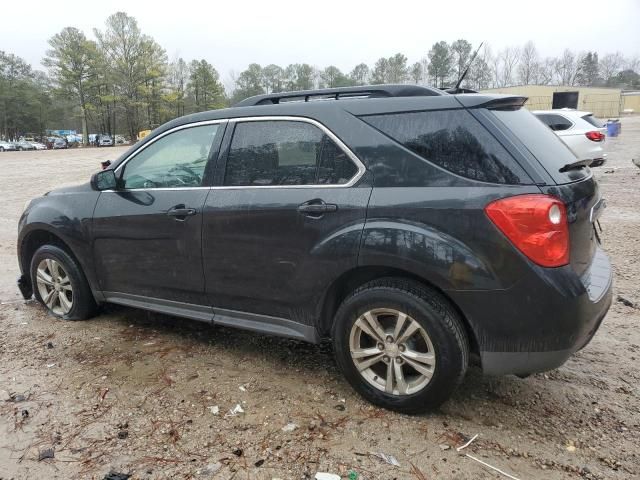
(493,102)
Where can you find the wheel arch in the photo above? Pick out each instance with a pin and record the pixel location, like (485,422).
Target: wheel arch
(39,236)
(354,278)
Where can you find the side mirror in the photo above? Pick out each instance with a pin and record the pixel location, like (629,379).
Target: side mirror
(104,180)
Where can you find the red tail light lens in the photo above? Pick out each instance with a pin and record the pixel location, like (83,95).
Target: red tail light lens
(536,225)
(595,136)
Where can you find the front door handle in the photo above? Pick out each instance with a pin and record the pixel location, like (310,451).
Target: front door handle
(181,212)
(316,208)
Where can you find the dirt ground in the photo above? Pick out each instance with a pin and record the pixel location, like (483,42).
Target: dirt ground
(137,393)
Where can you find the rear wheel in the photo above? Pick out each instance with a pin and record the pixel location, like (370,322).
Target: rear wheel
(60,285)
(400,345)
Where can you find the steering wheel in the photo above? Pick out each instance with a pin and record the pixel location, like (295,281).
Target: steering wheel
(193,176)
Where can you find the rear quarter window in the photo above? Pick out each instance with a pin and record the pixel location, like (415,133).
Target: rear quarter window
(453,140)
(595,121)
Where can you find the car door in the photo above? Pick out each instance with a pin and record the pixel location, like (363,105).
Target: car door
(148,232)
(285,218)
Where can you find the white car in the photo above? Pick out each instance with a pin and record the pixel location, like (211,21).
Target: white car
(38,145)
(583,133)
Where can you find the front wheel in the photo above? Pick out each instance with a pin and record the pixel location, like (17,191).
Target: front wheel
(60,285)
(400,345)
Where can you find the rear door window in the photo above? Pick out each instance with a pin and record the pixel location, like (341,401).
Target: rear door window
(453,140)
(281,152)
(542,143)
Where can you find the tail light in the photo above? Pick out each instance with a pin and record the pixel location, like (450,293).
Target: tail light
(595,136)
(536,225)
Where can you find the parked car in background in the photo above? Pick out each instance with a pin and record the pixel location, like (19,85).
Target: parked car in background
(7,146)
(58,143)
(412,227)
(581,131)
(105,141)
(39,146)
(24,145)
(120,140)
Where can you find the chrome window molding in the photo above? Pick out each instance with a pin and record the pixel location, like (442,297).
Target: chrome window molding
(359,165)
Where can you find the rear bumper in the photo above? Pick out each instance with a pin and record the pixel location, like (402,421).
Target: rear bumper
(537,324)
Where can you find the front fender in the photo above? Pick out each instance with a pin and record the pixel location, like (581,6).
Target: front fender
(67,216)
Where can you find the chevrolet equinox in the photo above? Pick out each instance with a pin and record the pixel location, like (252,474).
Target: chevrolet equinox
(412,227)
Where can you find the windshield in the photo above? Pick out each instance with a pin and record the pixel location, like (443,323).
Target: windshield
(544,145)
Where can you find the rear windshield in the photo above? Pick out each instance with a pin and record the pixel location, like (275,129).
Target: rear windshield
(543,144)
(595,121)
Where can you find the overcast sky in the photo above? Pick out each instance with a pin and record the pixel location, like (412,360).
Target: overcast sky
(234,33)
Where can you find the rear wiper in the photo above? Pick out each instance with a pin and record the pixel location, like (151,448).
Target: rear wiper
(576,164)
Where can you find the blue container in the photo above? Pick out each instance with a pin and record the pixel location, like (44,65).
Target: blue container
(613,128)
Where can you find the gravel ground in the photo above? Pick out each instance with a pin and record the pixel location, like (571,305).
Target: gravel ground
(150,395)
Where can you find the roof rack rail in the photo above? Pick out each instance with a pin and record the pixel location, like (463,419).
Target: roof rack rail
(369,91)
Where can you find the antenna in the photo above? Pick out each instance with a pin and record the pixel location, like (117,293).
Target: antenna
(466,70)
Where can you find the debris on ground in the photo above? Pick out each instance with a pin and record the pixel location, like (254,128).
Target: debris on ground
(214,409)
(326,476)
(626,301)
(211,468)
(116,476)
(49,345)
(237,452)
(289,427)
(390,459)
(235,411)
(17,398)
(259,463)
(4,396)
(45,453)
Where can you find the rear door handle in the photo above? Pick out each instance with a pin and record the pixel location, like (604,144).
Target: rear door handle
(317,208)
(181,212)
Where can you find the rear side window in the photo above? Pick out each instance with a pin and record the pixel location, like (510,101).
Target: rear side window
(453,140)
(555,122)
(595,121)
(285,153)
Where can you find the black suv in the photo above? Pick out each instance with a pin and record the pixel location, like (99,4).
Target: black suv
(410,226)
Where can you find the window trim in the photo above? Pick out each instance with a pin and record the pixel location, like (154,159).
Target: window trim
(221,162)
(361,169)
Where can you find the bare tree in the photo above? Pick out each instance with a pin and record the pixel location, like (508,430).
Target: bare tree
(506,63)
(546,71)
(529,64)
(610,65)
(567,67)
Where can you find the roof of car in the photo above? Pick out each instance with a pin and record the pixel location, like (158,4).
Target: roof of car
(403,98)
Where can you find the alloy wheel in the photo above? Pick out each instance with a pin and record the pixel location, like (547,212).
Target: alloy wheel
(392,351)
(54,286)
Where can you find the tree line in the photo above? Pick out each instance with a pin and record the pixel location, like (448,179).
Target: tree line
(122,81)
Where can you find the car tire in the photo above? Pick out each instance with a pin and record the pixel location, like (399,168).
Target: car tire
(56,273)
(1,149)
(439,347)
